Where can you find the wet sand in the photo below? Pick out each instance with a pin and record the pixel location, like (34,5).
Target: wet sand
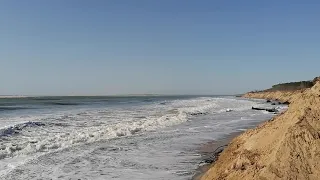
(208,148)
(286,147)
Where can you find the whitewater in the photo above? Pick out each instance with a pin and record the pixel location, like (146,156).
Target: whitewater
(143,137)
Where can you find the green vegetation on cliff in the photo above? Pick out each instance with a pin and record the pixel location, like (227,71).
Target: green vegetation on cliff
(291,86)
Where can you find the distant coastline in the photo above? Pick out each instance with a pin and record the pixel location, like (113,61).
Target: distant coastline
(117,95)
(13,96)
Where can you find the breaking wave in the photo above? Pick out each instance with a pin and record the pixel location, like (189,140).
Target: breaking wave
(56,133)
(12,108)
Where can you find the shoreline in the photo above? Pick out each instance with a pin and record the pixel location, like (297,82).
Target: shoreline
(285,147)
(208,148)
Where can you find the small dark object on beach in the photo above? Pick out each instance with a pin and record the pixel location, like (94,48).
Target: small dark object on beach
(286,103)
(213,157)
(272,110)
(268,101)
(265,109)
(258,108)
(198,113)
(273,103)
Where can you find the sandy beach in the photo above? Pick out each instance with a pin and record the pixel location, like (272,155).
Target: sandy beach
(285,147)
(207,149)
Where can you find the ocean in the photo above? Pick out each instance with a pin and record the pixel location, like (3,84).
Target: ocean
(125,137)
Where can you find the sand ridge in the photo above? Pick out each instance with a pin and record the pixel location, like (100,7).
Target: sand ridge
(285,147)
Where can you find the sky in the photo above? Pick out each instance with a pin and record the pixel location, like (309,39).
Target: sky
(110,47)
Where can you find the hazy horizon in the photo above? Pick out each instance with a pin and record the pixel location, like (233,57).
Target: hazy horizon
(155,47)
(115,95)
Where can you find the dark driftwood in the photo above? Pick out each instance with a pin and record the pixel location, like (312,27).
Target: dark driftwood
(198,113)
(265,109)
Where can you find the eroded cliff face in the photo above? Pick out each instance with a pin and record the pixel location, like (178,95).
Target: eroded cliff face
(286,147)
(283,96)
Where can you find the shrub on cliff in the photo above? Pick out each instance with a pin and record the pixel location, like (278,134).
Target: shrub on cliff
(291,86)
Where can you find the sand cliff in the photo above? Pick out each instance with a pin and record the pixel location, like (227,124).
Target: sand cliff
(286,147)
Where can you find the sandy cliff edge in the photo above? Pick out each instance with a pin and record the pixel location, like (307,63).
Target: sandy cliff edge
(286,147)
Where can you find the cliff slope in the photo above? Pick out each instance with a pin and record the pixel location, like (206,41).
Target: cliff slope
(286,147)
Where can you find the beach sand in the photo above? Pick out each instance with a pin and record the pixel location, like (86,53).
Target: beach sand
(208,148)
(285,147)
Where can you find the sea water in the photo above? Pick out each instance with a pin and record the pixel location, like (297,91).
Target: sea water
(135,137)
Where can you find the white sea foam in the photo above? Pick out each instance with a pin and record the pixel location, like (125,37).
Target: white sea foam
(53,132)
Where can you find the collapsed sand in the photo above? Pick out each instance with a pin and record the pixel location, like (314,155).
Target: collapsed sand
(286,147)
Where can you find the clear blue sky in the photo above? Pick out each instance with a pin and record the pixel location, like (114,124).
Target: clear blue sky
(101,47)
